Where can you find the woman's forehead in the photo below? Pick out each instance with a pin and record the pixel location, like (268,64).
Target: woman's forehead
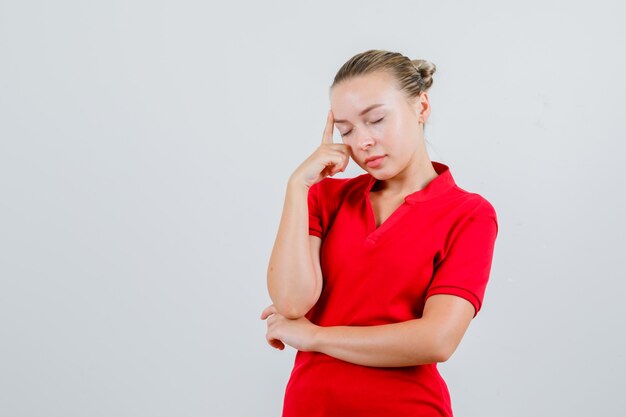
(354,95)
(368,84)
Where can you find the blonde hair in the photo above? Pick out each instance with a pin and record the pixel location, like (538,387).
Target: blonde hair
(411,76)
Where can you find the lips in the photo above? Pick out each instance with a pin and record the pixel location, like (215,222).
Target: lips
(372,158)
(374,161)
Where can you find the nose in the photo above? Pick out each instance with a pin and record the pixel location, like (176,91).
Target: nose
(365,141)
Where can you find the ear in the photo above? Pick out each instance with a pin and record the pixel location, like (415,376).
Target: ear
(423,107)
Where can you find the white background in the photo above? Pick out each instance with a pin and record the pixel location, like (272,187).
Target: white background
(144,153)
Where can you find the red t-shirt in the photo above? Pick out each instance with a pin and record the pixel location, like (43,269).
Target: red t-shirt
(439,241)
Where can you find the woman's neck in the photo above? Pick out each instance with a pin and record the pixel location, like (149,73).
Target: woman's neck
(411,180)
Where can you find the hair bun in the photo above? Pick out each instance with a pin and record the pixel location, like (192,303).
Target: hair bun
(426,69)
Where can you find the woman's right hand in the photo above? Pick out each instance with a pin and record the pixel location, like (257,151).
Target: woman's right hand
(328,159)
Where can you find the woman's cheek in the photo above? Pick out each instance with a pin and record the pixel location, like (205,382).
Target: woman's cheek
(383,126)
(381,133)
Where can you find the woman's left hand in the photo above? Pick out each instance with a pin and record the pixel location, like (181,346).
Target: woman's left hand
(298,333)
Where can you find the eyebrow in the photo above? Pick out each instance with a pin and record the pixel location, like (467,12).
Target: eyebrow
(368,108)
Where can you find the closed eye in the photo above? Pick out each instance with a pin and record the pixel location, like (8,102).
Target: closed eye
(347,133)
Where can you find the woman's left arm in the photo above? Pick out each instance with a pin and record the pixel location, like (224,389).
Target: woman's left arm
(432,338)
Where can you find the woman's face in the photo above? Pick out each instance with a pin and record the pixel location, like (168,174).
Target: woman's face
(374,118)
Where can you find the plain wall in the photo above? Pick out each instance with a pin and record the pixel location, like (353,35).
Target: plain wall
(144,152)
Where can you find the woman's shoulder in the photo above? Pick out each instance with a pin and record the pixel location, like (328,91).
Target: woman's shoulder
(473,202)
(331,185)
(330,193)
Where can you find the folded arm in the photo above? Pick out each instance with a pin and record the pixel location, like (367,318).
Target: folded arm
(432,338)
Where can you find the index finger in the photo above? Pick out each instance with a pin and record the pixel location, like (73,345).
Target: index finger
(269,310)
(327,137)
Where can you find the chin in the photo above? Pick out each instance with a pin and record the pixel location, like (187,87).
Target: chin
(380,175)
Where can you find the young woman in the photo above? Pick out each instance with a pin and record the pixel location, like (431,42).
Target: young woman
(375,279)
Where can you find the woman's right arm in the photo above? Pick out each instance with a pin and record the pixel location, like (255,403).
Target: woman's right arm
(294,275)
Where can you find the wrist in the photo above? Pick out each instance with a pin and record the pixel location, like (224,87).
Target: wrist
(297,185)
(317,340)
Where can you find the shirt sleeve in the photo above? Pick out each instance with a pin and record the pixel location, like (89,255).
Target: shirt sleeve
(464,271)
(315,212)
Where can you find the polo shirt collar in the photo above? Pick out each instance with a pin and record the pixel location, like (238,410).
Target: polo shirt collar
(436,187)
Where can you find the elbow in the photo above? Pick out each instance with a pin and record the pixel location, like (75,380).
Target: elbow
(291,311)
(442,355)
(443,350)
(294,314)
(292,307)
